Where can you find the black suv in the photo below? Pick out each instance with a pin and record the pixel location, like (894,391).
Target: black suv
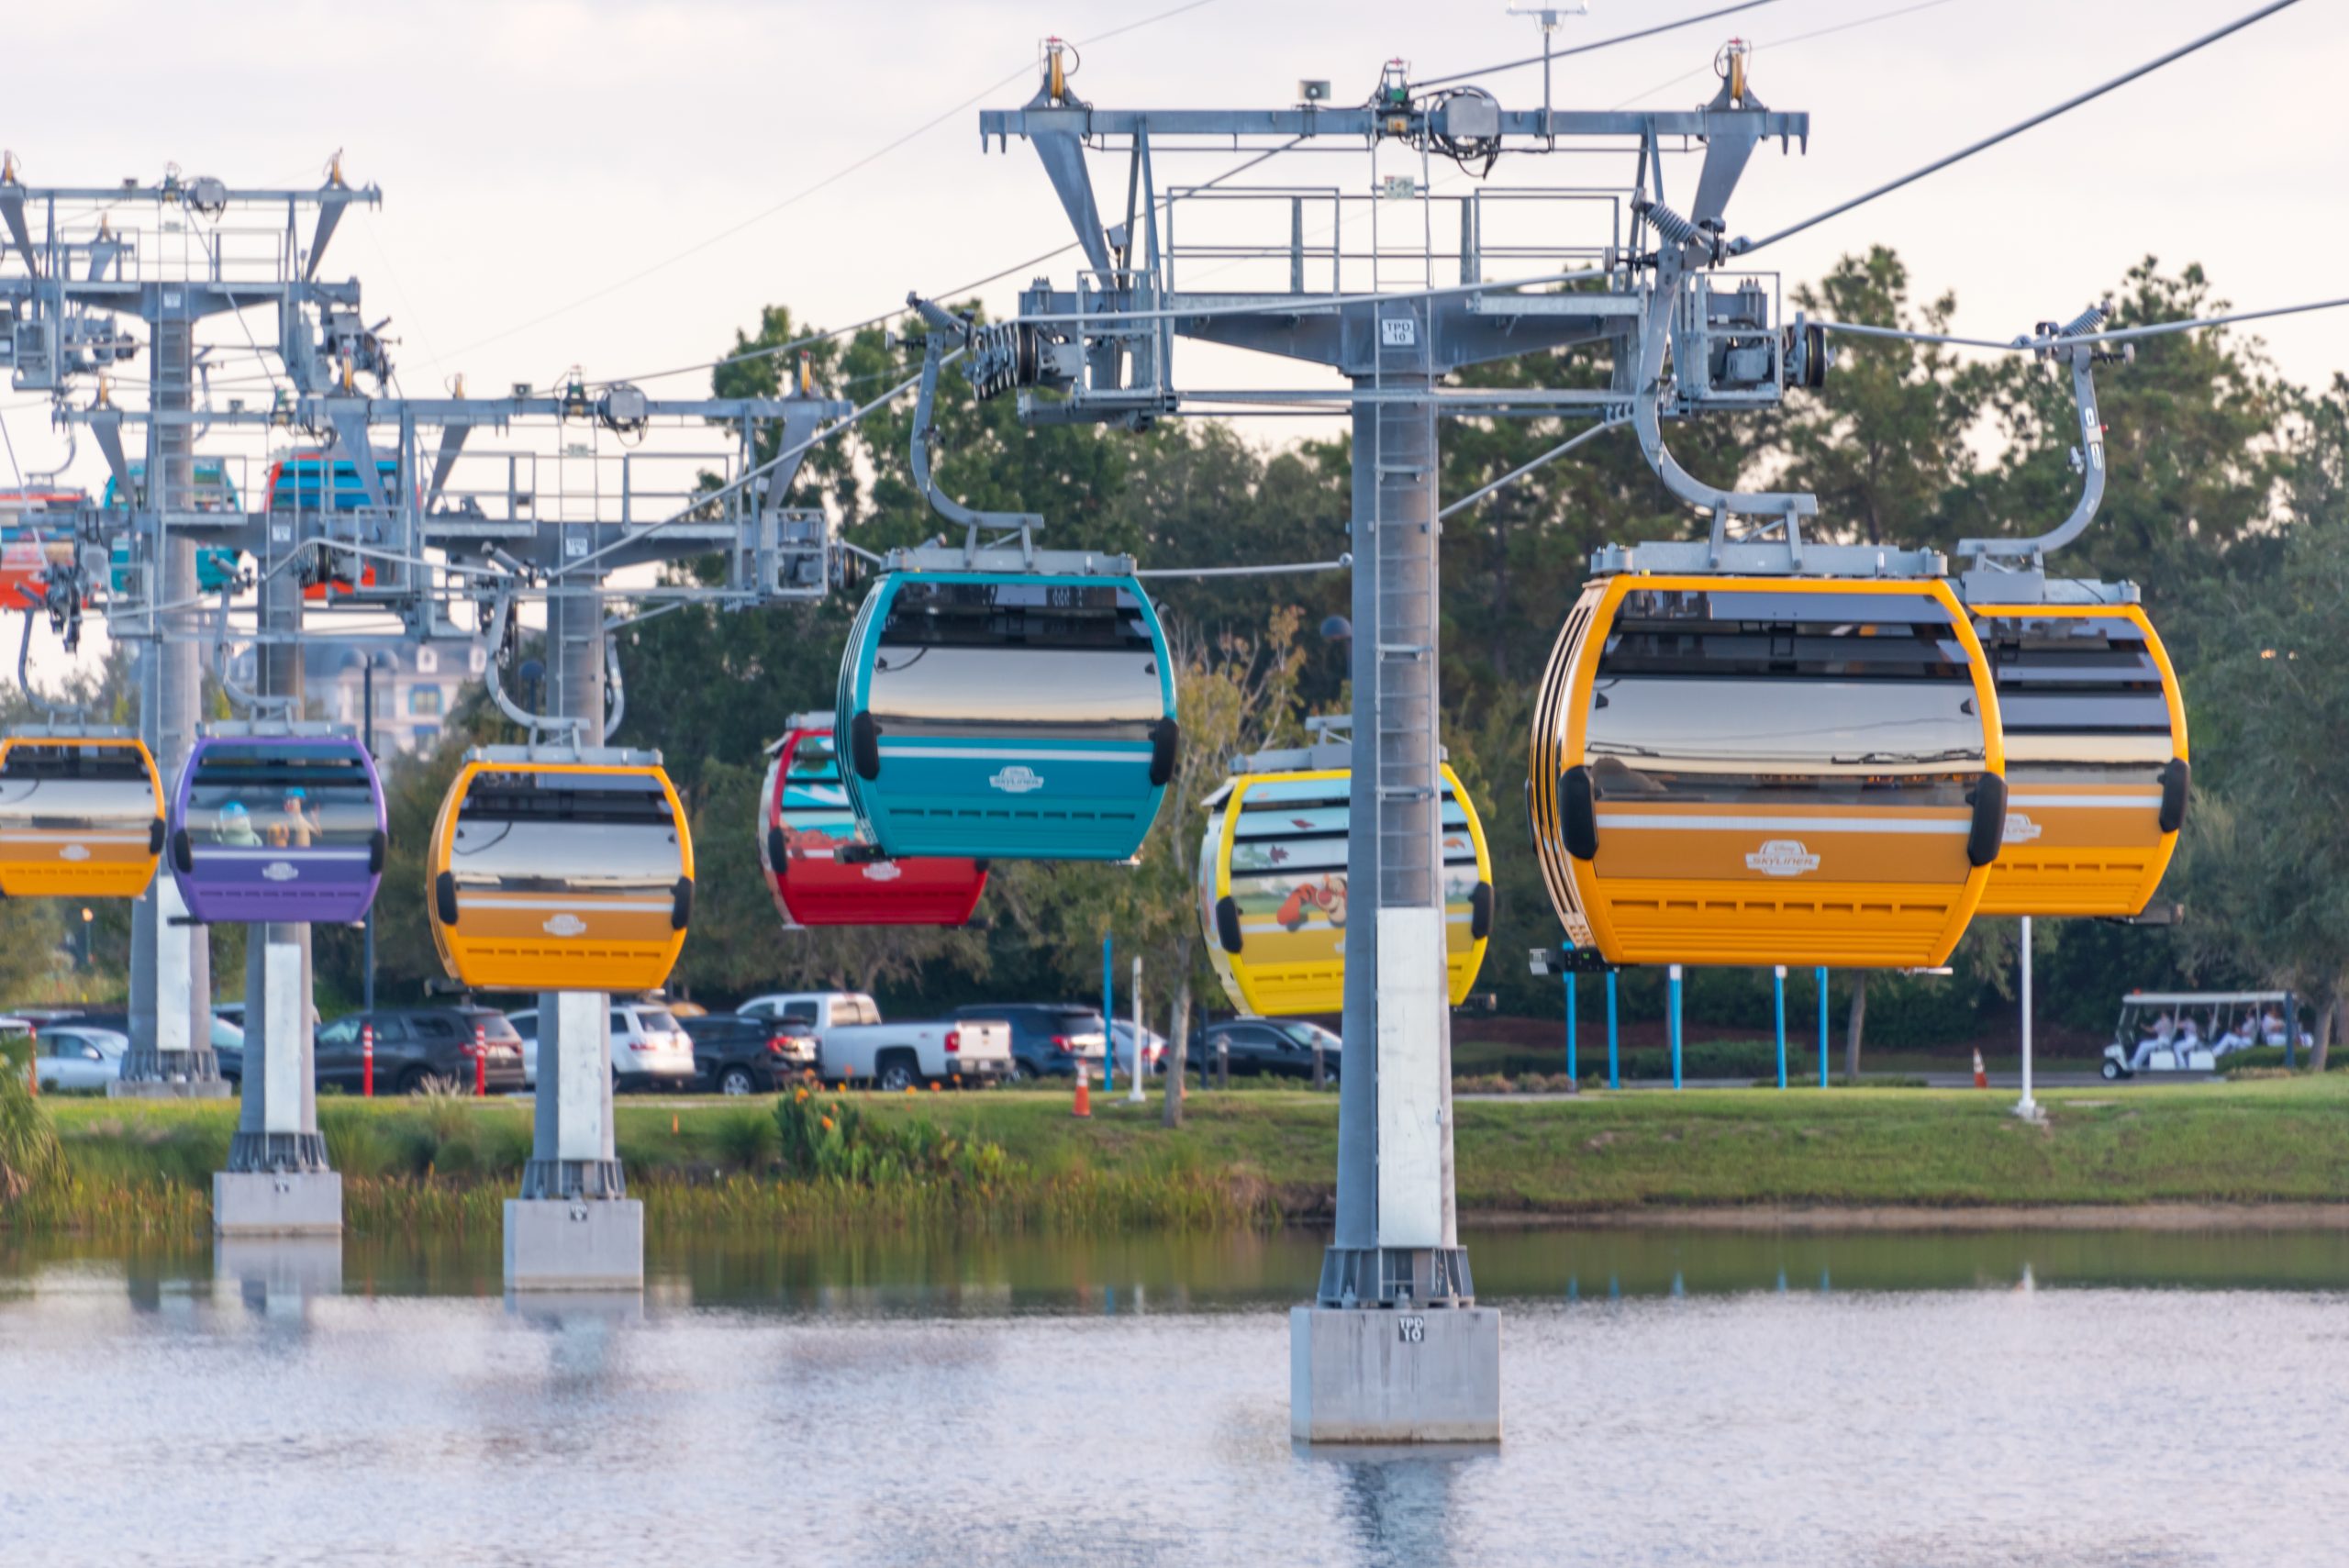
(1048,1041)
(1279,1046)
(735,1055)
(416,1044)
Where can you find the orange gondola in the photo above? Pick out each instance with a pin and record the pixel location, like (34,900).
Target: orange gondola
(80,814)
(1746,770)
(2097,770)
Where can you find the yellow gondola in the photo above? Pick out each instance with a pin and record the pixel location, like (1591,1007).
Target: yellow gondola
(80,815)
(1272,890)
(1746,770)
(2097,771)
(573,875)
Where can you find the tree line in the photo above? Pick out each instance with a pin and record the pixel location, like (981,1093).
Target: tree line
(2225,503)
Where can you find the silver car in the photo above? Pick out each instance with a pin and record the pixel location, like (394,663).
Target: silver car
(76,1056)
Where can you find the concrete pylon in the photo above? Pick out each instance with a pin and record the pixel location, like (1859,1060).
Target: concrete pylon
(170,961)
(1395,1349)
(574,1227)
(278,1181)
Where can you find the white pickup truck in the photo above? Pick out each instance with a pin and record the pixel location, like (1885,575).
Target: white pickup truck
(852,1043)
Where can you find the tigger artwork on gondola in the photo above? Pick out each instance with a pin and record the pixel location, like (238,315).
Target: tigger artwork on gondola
(1273,896)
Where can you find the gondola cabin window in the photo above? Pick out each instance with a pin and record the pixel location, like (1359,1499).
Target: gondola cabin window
(71,789)
(1780,700)
(1044,661)
(257,796)
(2082,700)
(528,833)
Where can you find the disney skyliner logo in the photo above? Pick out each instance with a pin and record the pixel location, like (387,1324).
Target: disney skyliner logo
(1017,779)
(1791,857)
(1781,857)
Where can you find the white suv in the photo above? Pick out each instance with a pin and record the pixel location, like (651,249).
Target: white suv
(649,1049)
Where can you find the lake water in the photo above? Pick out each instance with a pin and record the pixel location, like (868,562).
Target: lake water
(1671,1397)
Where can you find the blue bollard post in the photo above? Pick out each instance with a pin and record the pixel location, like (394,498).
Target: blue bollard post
(1674,1024)
(1821,974)
(1614,1061)
(1571,1072)
(1108,1013)
(1778,1002)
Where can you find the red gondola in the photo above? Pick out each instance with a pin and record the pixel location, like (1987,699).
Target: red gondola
(804,820)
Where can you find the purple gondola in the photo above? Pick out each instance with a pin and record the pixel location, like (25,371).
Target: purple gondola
(277,822)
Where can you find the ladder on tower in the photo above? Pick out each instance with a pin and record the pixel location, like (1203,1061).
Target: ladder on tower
(1402,260)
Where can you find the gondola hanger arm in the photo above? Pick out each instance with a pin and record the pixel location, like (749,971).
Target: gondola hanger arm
(2088,456)
(944,324)
(1655,330)
(500,624)
(49,710)
(614,689)
(252,704)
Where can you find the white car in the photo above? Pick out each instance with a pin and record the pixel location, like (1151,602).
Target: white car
(650,1049)
(852,1045)
(75,1056)
(1154,1046)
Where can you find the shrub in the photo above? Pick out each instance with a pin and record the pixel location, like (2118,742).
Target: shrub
(2234,1063)
(356,1146)
(747,1140)
(836,1141)
(444,1105)
(28,1151)
(505,1143)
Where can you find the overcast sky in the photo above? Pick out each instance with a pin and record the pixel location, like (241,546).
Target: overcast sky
(537,158)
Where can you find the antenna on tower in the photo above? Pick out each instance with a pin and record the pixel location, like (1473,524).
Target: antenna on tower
(1548,18)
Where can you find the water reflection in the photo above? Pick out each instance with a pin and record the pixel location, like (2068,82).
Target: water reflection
(1039,1401)
(278,1277)
(929,1275)
(1398,1502)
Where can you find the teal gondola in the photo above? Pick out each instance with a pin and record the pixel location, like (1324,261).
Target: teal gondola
(1007,716)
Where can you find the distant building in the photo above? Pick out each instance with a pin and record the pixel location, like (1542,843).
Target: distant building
(416,688)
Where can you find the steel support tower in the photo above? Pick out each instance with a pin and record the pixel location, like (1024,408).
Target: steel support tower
(450,536)
(278,1181)
(1394,1347)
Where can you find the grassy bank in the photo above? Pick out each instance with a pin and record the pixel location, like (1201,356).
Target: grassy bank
(1258,1158)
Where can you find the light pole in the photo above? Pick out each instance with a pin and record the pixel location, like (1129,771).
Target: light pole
(2026,1108)
(367,739)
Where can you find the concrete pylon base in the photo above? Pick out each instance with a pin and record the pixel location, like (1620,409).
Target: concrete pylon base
(173,1089)
(1376,1375)
(575,1244)
(277,1203)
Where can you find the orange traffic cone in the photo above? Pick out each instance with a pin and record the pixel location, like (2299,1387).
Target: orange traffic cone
(1981,1076)
(1084,1092)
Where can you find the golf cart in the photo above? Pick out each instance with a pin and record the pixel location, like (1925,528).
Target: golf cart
(2192,1032)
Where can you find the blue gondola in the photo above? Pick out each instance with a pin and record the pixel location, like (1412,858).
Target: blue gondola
(213,491)
(1008,716)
